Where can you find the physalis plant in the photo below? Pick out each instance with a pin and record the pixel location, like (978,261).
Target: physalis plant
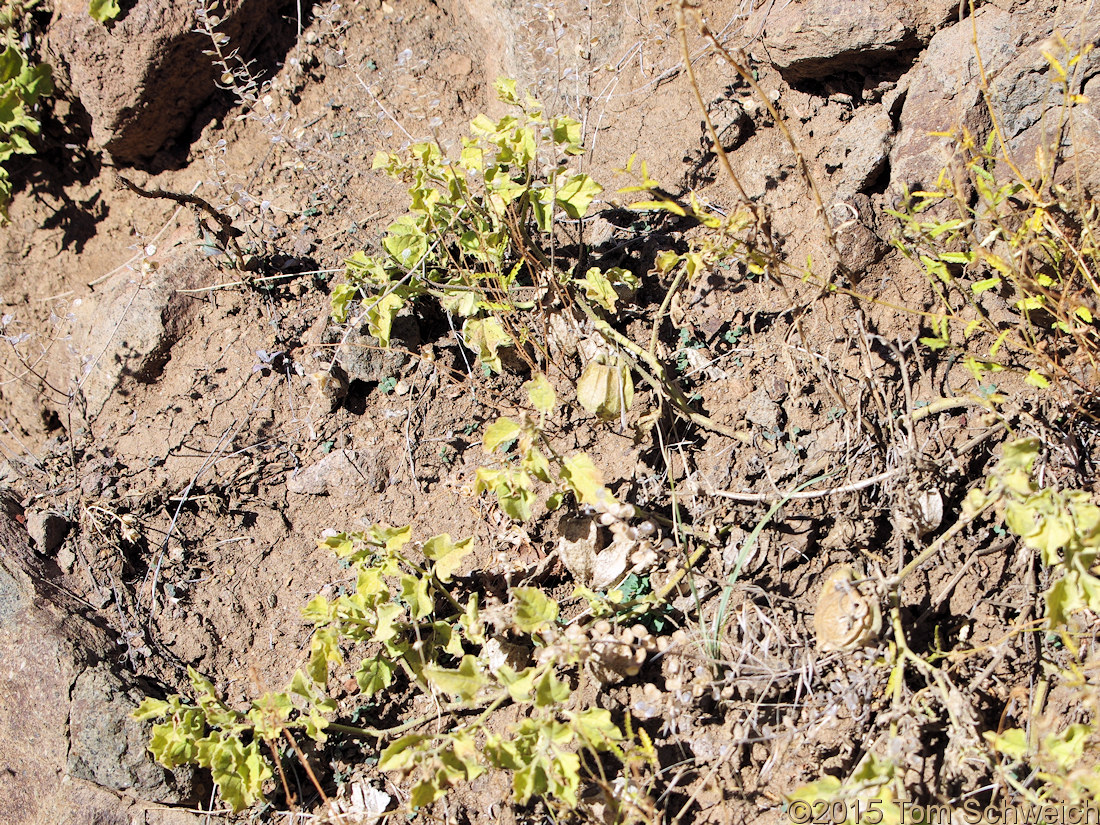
(479,228)
(407,624)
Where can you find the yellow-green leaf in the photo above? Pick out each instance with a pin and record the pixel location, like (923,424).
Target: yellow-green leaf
(541,394)
(533,609)
(104,10)
(501,431)
(446,554)
(464,682)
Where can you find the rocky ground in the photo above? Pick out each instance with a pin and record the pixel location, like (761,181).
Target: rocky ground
(170,462)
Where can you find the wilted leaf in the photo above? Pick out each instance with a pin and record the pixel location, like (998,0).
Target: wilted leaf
(465,682)
(501,431)
(542,395)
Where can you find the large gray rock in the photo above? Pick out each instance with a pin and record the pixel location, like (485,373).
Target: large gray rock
(359,354)
(142,77)
(1030,104)
(341,471)
(859,153)
(814,38)
(944,93)
(54,681)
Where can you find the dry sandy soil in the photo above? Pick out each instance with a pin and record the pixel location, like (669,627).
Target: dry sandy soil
(175,465)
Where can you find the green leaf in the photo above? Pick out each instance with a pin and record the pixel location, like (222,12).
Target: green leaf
(1037,379)
(374,675)
(426,791)
(380,314)
(392,538)
(401,754)
(506,92)
(104,10)
(315,726)
(576,194)
(598,289)
(406,242)
(342,296)
(537,464)
(533,609)
(580,475)
(465,682)
(150,709)
(318,611)
(501,431)
(825,788)
(238,771)
(1068,747)
(324,647)
(446,554)
(269,714)
(520,686)
(484,336)
(11,63)
(541,394)
(1012,743)
(659,206)
(512,489)
(175,742)
(550,691)
(414,593)
(386,622)
(566,133)
(595,727)
(978,287)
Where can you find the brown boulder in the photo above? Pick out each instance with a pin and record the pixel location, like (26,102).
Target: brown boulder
(69,749)
(821,37)
(142,77)
(944,92)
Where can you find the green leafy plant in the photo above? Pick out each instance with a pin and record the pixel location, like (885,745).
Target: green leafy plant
(514,486)
(986,227)
(479,239)
(870,795)
(1063,525)
(1056,762)
(477,230)
(411,627)
(22,85)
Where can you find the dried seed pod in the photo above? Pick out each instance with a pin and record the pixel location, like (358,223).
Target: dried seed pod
(606,390)
(846,618)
